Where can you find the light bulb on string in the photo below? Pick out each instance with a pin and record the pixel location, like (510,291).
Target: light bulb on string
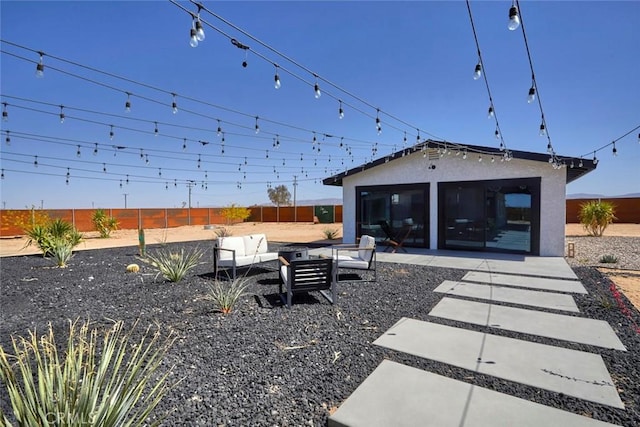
(316,89)
(497,133)
(193,36)
(580,164)
(142,154)
(174,105)
(78,153)
(199,161)
(200,36)
(532,94)
(418,136)
(615,150)
(595,160)
(276,79)
(35,161)
(104,167)
(7,139)
(514,18)
(340,110)
(2,177)
(184,144)
(40,67)
(257,126)
(543,129)
(490,112)
(62,114)
(5,113)
(155,130)
(67,177)
(549,148)
(378,124)
(95,149)
(477,73)
(219,131)
(127,104)
(111,134)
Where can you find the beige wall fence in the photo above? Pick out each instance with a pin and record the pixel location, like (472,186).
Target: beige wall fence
(13,221)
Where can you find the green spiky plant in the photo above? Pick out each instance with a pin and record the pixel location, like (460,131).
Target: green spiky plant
(331,233)
(112,381)
(226,294)
(174,265)
(596,215)
(104,223)
(608,259)
(52,235)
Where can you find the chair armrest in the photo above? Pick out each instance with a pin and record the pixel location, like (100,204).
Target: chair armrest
(283,261)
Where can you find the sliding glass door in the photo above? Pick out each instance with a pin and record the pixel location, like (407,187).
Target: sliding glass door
(495,215)
(397,212)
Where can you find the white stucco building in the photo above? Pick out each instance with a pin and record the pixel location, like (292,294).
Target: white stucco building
(440,195)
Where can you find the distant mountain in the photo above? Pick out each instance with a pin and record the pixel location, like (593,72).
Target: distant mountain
(601,196)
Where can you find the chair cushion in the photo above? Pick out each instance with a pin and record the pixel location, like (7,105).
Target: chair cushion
(232,243)
(255,244)
(366,247)
(349,262)
(284,271)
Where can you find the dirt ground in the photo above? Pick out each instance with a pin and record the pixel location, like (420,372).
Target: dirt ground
(627,281)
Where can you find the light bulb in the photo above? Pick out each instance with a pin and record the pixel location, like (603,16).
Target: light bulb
(340,111)
(199,31)
(480,158)
(316,89)
(5,113)
(543,130)
(490,113)
(477,73)
(61,114)
(40,69)
(532,95)
(276,79)
(615,150)
(257,127)
(549,148)
(193,38)
(514,19)
(174,107)
(497,134)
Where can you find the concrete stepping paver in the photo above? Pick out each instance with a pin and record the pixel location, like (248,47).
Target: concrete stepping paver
(574,373)
(399,395)
(510,295)
(559,285)
(551,325)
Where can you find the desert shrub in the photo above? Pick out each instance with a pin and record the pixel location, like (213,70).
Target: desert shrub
(233,214)
(100,381)
(331,233)
(223,232)
(62,251)
(608,259)
(104,223)
(174,265)
(596,216)
(53,235)
(226,294)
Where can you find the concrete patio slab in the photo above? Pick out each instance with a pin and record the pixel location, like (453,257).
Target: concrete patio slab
(509,295)
(569,328)
(574,373)
(399,395)
(558,285)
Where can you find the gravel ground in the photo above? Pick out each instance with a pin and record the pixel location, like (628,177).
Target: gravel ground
(589,250)
(271,366)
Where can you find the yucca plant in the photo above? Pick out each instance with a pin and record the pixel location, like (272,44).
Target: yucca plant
(223,232)
(48,235)
(174,265)
(331,233)
(596,216)
(112,381)
(104,223)
(226,294)
(62,251)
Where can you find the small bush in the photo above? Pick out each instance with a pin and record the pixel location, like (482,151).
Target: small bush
(106,381)
(233,214)
(62,251)
(595,216)
(223,232)
(609,259)
(54,235)
(331,233)
(103,223)
(225,294)
(174,265)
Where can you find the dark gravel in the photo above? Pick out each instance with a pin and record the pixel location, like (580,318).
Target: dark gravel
(271,366)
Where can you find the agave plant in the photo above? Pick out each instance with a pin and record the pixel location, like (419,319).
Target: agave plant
(174,265)
(225,294)
(62,251)
(54,235)
(112,381)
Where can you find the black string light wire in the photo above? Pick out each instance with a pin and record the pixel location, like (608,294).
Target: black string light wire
(482,71)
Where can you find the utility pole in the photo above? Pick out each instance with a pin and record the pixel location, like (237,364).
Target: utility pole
(295,209)
(125,199)
(190,185)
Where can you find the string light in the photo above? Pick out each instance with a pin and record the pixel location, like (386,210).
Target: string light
(127,104)
(219,131)
(111,134)
(78,154)
(514,18)
(40,66)
(580,164)
(497,133)
(276,78)
(174,105)
(615,150)
(68,175)
(61,114)
(2,174)
(543,130)
(5,113)
(104,167)
(193,35)
(595,160)
(378,124)
(155,130)
(340,110)
(184,144)
(316,88)
(7,140)
(490,113)
(532,93)
(257,126)
(477,73)
(35,161)
(200,35)
(95,149)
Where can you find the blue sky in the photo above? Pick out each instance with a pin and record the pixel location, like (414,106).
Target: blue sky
(412,60)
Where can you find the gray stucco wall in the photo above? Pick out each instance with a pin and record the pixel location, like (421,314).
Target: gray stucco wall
(414,168)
